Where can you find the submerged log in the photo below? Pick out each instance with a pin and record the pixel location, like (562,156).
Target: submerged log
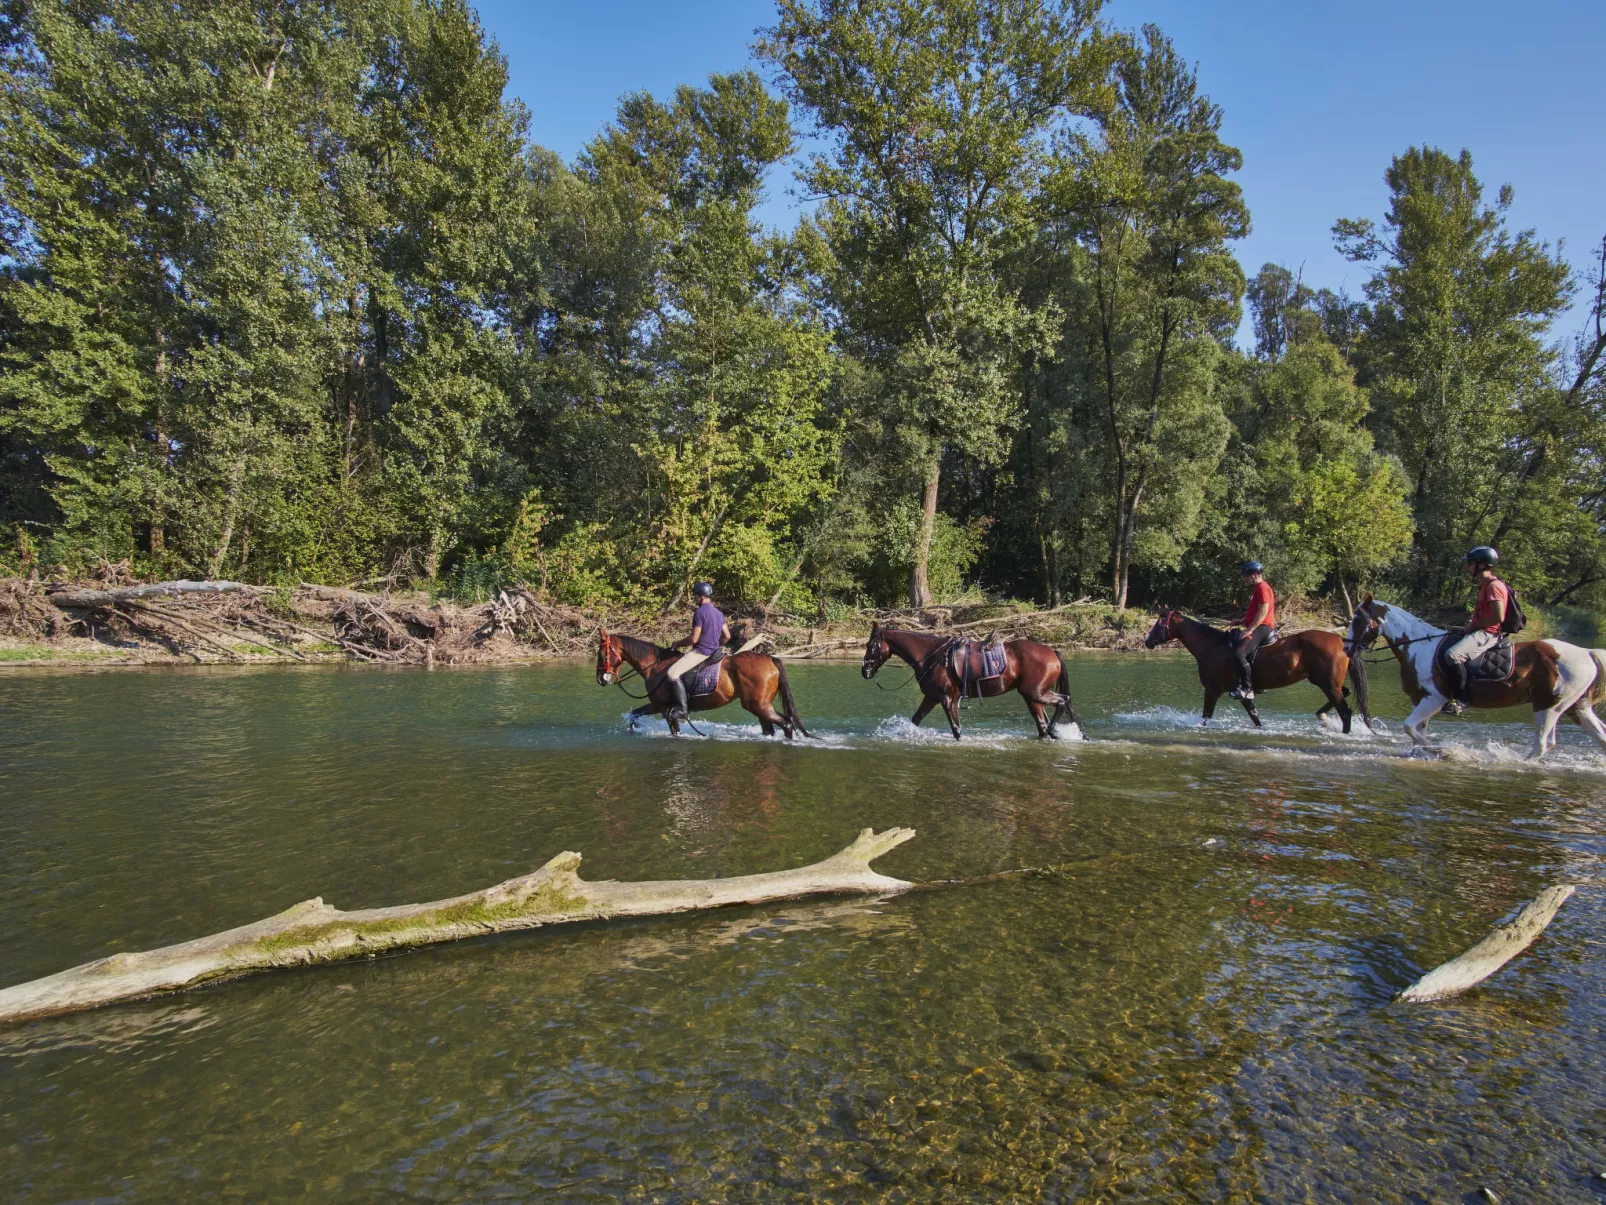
(313,932)
(1503,944)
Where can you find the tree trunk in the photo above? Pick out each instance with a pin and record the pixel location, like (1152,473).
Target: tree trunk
(919,580)
(105,598)
(313,932)
(708,538)
(230,509)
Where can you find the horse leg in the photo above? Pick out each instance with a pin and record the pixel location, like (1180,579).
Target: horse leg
(1044,732)
(1544,732)
(923,710)
(1209,707)
(1249,708)
(765,714)
(1589,721)
(950,705)
(645,709)
(1417,722)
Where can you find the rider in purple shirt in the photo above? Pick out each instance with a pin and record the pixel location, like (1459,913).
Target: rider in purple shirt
(708,631)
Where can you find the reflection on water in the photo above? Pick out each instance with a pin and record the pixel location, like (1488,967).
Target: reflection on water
(1196,1006)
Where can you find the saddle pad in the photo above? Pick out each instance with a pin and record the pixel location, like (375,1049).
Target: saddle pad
(1492,665)
(704,680)
(992,660)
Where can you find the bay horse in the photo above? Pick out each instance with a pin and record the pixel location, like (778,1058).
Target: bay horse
(1312,655)
(753,678)
(1035,670)
(1551,676)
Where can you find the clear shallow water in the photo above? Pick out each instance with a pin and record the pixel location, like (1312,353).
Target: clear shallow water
(1196,1007)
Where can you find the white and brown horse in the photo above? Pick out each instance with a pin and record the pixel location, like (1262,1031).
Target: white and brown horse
(1553,677)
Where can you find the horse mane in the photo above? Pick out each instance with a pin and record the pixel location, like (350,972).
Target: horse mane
(639,648)
(1219,633)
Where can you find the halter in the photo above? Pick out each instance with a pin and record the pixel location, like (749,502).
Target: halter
(876,653)
(1163,626)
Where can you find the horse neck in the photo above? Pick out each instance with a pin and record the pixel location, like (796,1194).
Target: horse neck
(1400,623)
(1199,637)
(643,655)
(913,647)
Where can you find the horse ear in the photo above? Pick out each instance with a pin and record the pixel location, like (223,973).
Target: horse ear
(1368,597)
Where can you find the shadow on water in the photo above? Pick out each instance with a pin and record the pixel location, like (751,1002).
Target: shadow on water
(1195,1006)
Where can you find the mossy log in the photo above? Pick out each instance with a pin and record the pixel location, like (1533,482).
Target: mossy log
(68,597)
(313,932)
(1503,944)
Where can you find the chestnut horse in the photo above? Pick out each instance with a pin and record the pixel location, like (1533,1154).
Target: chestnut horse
(1312,655)
(754,678)
(1033,669)
(1551,676)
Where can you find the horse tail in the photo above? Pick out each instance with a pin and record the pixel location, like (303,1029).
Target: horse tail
(1597,688)
(1357,675)
(1063,685)
(787,700)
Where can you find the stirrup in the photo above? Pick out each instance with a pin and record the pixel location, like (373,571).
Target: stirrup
(1453,706)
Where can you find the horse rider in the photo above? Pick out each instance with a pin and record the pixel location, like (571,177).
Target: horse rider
(708,631)
(1482,631)
(1257,627)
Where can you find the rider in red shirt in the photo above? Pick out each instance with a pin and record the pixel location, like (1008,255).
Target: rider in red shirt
(1482,631)
(1258,623)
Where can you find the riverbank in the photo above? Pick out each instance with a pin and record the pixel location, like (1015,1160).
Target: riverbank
(112,624)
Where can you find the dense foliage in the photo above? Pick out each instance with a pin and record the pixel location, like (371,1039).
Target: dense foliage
(287,294)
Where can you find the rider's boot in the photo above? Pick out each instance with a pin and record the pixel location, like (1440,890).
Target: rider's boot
(1244,690)
(1457,702)
(682,708)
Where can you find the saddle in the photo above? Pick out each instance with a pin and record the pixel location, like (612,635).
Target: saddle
(1492,665)
(978,667)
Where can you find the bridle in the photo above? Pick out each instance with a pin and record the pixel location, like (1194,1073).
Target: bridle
(1163,627)
(610,656)
(876,654)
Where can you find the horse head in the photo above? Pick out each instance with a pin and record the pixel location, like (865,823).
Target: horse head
(1365,625)
(876,652)
(1161,632)
(610,655)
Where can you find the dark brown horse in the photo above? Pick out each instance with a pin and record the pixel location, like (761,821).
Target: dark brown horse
(1312,655)
(753,678)
(1033,669)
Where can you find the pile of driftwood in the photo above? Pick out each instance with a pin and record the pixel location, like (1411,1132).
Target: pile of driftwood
(233,621)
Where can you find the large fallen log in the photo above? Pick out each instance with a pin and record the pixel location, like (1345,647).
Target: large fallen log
(105,598)
(313,932)
(1502,945)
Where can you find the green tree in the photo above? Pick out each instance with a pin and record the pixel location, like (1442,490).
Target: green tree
(939,116)
(1453,348)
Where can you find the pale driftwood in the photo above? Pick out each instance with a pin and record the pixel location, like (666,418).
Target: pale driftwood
(105,598)
(313,932)
(1502,945)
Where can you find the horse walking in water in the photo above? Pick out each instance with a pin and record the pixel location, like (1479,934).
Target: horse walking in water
(1312,655)
(753,678)
(1553,677)
(1033,669)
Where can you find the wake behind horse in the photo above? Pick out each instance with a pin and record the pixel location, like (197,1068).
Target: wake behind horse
(753,678)
(1551,676)
(1035,670)
(1312,655)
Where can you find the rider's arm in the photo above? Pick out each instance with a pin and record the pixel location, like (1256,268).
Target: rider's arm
(696,635)
(725,634)
(1256,619)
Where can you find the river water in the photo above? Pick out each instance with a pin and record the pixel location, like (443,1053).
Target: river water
(1195,1006)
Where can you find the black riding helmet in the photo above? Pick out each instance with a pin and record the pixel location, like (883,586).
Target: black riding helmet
(703,590)
(1252,567)
(1483,555)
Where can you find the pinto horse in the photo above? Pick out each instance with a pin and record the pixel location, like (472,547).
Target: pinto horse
(1035,670)
(1312,655)
(753,678)
(1553,677)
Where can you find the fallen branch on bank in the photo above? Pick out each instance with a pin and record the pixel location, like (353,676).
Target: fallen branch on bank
(312,932)
(1502,945)
(104,598)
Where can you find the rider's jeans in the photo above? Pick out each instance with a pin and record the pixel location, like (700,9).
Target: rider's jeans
(1473,644)
(687,661)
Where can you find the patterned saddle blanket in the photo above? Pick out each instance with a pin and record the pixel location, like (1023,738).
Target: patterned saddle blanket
(977,666)
(704,680)
(1493,665)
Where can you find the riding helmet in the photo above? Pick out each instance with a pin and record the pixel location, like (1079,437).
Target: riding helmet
(703,590)
(1252,567)
(1483,555)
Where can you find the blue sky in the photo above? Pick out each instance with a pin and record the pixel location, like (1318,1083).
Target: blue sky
(1318,96)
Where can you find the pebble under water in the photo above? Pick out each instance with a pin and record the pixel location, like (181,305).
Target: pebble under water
(1195,1005)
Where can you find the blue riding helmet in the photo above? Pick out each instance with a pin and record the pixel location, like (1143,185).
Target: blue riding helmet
(703,590)
(1252,567)
(1483,555)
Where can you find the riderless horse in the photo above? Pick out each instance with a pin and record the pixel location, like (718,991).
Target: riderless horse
(1553,677)
(1312,655)
(947,668)
(753,678)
